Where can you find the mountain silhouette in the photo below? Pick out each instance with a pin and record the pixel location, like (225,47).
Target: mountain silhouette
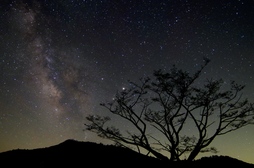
(71,153)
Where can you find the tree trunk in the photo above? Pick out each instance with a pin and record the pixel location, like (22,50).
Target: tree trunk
(174,156)
(194,153)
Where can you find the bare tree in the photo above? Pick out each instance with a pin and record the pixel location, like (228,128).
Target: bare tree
(168,104)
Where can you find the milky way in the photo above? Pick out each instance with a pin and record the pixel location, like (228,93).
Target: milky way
(61,59)
(60,75)
(52,83)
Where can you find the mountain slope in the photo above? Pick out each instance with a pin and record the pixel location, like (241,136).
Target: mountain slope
(86,154)
(73,153)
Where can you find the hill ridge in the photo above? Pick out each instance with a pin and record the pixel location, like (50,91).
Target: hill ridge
(73,153)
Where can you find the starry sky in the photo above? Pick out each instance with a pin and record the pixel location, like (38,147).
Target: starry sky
(60,59)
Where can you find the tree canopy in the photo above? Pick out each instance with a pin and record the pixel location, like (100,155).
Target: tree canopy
(168,103)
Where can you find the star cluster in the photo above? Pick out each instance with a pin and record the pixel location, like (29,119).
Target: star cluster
(61,59)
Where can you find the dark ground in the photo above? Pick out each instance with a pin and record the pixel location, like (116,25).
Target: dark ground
(86,154)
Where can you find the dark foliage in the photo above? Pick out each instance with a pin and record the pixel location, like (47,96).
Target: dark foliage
(83,154)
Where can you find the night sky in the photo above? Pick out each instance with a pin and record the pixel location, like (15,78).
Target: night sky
(60,59)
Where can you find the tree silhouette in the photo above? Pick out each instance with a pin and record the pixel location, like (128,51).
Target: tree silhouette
(162,109)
